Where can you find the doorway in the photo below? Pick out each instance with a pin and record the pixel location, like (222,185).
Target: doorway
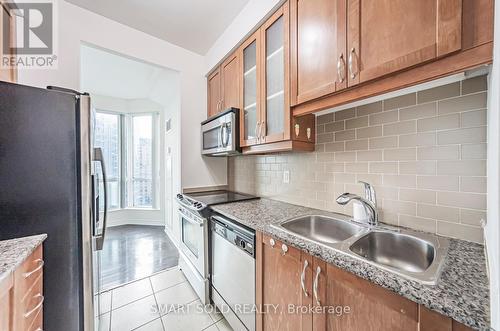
(133,103)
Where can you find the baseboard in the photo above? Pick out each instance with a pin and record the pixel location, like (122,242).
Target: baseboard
(135,222)
(171,236)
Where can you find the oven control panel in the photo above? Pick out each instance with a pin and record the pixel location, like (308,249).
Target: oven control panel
(189,203)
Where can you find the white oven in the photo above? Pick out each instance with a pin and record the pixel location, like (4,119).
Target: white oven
(194,251)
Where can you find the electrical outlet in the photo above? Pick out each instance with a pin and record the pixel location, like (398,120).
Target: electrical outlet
(286,177)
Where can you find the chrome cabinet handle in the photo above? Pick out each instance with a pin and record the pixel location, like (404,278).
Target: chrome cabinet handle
(284,249)
(272,242)
(316,285)
(303,278)
(352,58)
(263,127)
(341,68)
(40,266)
(27,314)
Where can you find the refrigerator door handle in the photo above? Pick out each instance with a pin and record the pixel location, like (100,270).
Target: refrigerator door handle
(99,239)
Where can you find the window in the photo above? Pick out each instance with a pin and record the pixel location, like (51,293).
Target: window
(129,145)
(107,136)
(142,161)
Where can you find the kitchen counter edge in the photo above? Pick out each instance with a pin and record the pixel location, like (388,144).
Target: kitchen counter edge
(14,251)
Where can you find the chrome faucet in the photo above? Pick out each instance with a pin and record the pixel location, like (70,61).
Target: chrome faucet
(369,202)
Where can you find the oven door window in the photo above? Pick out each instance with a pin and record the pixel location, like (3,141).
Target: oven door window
(211,138)
(191,235)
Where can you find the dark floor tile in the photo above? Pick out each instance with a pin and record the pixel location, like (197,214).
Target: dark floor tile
(132,252)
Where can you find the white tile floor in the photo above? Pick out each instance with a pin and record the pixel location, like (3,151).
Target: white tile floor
(146,305)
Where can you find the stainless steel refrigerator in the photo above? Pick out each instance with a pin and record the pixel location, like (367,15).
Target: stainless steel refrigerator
(49,183)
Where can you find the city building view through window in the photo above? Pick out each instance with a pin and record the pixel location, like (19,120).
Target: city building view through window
(107,137)
(142,180)
(129,172)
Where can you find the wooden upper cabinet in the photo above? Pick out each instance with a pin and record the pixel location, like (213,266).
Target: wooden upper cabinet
(318,48)
(250,86)
(230,91)
(275,103)
(385,36)
(278,283)
(214,93)
(223,86)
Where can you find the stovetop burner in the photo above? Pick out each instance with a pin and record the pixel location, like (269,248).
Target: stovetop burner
(211,198)
(200,201)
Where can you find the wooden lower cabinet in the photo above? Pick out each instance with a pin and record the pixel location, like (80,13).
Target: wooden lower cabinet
(6,298)
(21,296)
(310,294)
(278,287)
(351,303)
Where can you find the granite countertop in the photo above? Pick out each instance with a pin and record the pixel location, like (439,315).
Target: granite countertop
(462,291)
(14,251)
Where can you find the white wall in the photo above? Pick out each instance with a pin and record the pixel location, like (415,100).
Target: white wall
(250,16)
(492,230)
(77,25)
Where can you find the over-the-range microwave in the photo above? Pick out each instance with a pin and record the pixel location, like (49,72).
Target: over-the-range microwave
(220,134)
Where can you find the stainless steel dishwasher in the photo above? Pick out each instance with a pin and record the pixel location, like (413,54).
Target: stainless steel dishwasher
(233,272)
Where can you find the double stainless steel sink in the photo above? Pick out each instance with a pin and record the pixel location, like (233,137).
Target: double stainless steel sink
(414,255)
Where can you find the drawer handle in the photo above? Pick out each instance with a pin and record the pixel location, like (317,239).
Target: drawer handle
(40,266)
(27,314)
(303,278)
(316,285)
(272,242)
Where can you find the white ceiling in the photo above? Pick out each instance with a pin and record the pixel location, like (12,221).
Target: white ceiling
(112,75)
(192,24)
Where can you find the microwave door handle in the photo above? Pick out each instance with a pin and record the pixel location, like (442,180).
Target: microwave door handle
(225,139)
(99,157)
(221,129)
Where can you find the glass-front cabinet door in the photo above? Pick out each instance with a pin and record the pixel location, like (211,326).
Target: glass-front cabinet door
(275,62)
(250,110)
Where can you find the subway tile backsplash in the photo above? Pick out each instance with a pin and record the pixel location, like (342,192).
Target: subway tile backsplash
(424,152)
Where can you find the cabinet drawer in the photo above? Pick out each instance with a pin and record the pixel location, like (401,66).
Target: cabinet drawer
(27,309)
(28,273)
